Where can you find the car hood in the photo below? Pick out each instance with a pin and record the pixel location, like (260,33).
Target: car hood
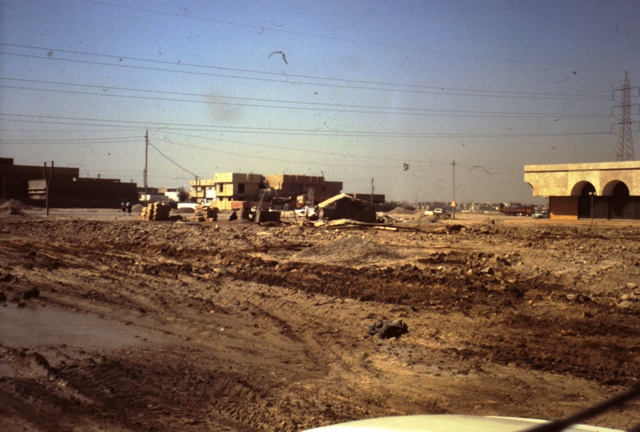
(447,423)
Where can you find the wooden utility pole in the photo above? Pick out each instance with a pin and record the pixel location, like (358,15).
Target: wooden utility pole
(47,183)
(146,160)
(453,203)
(372,189)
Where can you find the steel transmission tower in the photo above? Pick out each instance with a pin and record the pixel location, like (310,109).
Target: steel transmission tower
(622,95)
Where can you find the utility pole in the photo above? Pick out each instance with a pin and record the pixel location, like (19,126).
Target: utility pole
(197,188)
(146,161)
(625,143)
(47,183)
(372,189)
(453,203)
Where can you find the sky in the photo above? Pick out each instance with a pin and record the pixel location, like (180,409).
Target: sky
(382,93)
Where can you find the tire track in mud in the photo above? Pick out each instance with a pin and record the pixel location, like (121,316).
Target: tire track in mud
(299,305)
(545,345)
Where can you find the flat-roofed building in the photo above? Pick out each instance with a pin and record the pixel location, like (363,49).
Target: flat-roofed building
(295,184)
(230,187)
(602,190)
(15,178)
(202,190)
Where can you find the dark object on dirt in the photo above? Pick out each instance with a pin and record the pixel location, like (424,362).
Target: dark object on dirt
(21,305)
(455,227)
(267,216)
(578,298)
(176,218)
(345,206)
(16,212)
(388,329)
(3,296)
(32,293)
(234,216)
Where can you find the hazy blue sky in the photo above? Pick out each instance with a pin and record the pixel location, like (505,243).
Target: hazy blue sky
(394,90)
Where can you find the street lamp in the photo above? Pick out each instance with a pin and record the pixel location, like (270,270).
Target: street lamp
(592,194)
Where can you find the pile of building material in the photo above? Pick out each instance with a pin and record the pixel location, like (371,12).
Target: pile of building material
(205,213)
(345,206)
(156,211)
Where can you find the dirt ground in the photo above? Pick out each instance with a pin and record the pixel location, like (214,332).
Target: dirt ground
(141,326)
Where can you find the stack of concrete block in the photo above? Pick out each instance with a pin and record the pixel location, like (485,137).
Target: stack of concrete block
(156,211)
(200,213)
(205,213)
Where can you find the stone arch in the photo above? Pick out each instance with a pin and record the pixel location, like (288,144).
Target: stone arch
(616,188)
(582,188)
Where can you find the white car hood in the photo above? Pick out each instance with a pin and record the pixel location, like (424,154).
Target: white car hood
(446,423)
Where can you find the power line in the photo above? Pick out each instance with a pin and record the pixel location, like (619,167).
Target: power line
(335,38)
(274,159)
(275,131)
(288,148)
(89,140)
(172,161)
(416,89)
(71,141)
(325,106)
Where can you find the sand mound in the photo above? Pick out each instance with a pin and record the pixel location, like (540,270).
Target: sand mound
(14,207)
(401,210)
(349,250)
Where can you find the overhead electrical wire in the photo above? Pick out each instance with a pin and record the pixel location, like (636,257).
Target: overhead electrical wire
(276,159)
(324,106)
(286,148)
(392,87)
(275,131)
(172,161)
(335,38)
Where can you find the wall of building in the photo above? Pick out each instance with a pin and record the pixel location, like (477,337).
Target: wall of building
(563,207)
(14,179)
(292,184)
(560,179)
(109,193)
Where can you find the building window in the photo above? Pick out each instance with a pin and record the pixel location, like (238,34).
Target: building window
(240,188)
(221,187)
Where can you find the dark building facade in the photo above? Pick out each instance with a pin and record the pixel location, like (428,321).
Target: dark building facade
(26,183)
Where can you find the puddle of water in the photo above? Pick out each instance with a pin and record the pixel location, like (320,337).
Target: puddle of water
(34,327)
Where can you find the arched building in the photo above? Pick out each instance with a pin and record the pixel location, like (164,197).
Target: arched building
(612,187)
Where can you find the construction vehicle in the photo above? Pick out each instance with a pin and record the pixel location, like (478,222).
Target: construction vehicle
(516,210)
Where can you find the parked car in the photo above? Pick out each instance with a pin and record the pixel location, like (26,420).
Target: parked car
(537,215)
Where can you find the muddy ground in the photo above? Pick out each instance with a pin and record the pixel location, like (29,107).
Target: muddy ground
(140,326)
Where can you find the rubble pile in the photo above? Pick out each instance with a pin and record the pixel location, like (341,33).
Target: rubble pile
(348,250)
(156,211)
(401,210)
(14,207)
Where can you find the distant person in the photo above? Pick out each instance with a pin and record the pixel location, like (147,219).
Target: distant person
(129,207)
(124,207)
(234,216)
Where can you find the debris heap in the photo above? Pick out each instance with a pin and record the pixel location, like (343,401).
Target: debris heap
(156,211)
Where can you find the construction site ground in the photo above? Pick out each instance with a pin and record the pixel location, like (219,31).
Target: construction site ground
(112,323)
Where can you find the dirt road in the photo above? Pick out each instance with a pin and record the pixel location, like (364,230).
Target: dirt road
(140,326)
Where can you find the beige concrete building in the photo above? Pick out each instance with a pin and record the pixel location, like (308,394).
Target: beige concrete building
(603,190)
(230,187)
(202,190)
(294,184)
